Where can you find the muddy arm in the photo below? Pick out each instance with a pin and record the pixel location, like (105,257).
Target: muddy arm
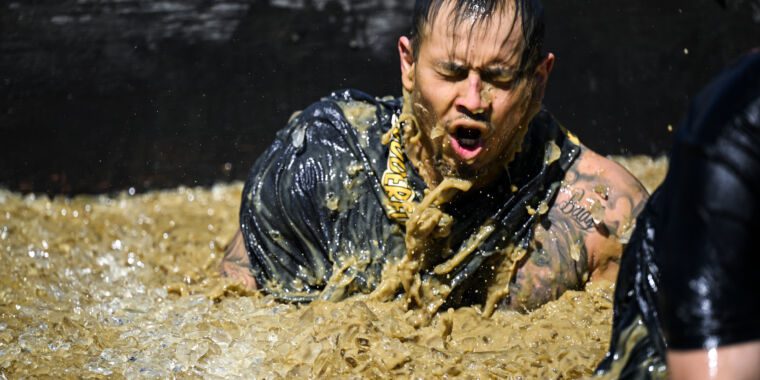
(612,199)
(236,264)
(726,362)
(595,212)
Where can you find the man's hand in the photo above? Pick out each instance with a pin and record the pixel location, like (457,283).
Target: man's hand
(236,264)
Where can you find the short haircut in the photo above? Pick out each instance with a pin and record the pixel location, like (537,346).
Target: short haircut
(530,12)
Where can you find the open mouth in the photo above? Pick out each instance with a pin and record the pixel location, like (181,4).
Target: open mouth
(468,138)
(467,142)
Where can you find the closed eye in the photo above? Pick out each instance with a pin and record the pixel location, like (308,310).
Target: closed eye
(452,71)
(499,77)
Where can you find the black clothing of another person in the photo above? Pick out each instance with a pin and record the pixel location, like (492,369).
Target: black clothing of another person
(686,278)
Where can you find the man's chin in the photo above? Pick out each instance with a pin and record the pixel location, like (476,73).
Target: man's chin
(456,168)
(478,172)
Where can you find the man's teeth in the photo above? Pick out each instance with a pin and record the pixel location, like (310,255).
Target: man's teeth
(468,142)
(468,138)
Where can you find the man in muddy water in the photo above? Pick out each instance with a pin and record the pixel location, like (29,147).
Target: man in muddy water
(465,191)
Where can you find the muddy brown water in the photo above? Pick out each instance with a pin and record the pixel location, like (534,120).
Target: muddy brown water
(126,287)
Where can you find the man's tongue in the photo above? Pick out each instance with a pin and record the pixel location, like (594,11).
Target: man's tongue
(466,143)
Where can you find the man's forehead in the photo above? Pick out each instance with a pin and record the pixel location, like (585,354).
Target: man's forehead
(500,32)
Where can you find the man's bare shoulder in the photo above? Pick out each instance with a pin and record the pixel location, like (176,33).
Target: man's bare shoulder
(583,233)
(598,202)
(608,185)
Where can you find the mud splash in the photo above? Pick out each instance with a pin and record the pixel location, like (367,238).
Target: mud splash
(126,286)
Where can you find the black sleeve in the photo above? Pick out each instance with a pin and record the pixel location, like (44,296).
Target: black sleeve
(709,252)
(285,216)
(686,277)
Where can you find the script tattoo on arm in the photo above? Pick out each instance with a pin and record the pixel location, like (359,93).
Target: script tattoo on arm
(580,235)
(603,199)
(236,264)
(573,209)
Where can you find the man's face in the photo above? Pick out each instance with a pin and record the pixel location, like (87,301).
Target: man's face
(472,105)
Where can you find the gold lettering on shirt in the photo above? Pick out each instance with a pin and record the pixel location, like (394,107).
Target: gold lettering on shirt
(394,181)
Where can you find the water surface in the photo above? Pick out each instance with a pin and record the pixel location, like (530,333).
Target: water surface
(126,286)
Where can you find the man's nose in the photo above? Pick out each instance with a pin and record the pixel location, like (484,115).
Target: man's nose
(470,99)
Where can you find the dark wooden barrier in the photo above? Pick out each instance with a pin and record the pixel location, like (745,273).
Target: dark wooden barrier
(101,95)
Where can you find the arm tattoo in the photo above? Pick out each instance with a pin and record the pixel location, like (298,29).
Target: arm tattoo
(554,264)
(628,195)
(573,209)
(561,258)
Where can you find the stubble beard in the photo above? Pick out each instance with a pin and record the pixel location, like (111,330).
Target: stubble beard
(433,134)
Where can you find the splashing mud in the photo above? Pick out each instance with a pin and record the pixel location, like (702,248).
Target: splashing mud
(650,171)
(127,286)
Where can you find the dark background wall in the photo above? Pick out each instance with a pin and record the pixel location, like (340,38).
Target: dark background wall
(102,95)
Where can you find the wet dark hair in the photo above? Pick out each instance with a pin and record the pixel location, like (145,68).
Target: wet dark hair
(530,12)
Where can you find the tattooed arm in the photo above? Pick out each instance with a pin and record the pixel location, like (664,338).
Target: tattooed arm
(236,264)
(614,198)
(583,233)
(556,262)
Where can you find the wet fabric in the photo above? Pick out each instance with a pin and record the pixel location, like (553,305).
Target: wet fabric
(314,213)
(687,274)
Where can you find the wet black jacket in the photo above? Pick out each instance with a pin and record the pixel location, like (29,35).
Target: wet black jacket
(687,277)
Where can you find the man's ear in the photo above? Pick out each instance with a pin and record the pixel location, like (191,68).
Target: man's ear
(406,57)
(544,68)
(542,72)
